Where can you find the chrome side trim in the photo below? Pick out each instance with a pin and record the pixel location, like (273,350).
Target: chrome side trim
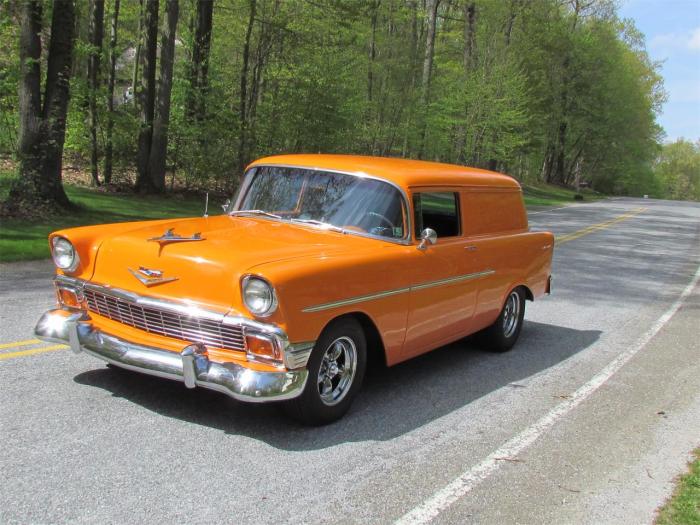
(406,240)
(451,280)
(396,291)
(191,366)
(354,300)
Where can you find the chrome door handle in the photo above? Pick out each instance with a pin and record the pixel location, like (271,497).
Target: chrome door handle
(470,248)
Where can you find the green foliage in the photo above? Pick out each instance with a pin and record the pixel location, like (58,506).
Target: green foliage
(9,79)
(547,93)
(678,168)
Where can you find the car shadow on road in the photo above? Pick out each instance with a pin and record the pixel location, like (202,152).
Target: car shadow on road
(392,402)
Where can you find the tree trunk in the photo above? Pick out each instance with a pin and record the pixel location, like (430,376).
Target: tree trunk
(511,20)
(469,35)
(42,128)
(96,37)
(159,145)
(146,93)
(242,143)
(195,104)
(431,7)
(372,50)
(137,51)
(29,142)
(110,93)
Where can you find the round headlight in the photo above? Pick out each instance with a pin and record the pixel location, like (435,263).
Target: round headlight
(258,296)
(64,254)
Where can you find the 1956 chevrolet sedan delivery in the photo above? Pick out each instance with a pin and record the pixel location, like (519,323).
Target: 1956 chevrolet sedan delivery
(320,262)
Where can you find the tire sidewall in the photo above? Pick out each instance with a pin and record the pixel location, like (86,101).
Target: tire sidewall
(313,409)
(495,337)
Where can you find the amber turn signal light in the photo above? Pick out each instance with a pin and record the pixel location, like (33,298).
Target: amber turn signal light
(260,347)
(68,298)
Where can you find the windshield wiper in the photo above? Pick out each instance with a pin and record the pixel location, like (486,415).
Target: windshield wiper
(322,224)
(255,212)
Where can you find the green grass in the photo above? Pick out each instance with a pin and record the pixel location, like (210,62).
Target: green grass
(22,240)
(684,506)
(550,195)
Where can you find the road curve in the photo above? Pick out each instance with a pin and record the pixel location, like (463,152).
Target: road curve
(587,420)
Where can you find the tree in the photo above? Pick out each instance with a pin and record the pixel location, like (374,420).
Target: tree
(678,168)
(145,94)
(243,94)
(202,18)
(159,144)
(109,147)
(97,10)
(431,7)
(42,123)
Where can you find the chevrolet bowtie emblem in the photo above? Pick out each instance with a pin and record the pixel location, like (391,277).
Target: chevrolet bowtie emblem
(149,277)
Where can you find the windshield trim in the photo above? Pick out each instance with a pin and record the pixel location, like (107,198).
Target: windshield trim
(405,240)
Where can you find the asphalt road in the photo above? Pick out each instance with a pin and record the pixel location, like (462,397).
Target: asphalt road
(587,420)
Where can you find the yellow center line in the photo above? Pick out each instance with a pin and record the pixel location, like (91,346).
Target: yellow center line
(19,343)
(32,351)
(597,227)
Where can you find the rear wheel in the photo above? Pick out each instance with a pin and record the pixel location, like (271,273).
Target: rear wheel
(336,369)
(504,332)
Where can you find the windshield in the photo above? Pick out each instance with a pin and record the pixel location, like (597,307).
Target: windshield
(353,203)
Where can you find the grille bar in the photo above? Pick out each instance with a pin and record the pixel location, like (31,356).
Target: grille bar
(164,322)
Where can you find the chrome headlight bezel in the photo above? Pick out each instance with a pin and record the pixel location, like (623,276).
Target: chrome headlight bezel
(270,302)
(59,243)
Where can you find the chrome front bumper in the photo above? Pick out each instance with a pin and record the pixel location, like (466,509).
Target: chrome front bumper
(191,366)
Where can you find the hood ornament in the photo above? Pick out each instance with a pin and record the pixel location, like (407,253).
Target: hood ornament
(149,277)
(169,237)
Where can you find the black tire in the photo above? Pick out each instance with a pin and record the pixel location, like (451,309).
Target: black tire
(504,332)
(314,408)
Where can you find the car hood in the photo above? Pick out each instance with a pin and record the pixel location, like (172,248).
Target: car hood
(208,271)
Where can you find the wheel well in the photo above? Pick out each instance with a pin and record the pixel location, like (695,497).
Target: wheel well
(528,292)
(376,353)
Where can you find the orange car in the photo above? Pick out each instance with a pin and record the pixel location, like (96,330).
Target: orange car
(320,262)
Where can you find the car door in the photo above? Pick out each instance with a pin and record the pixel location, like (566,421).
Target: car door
(443,289)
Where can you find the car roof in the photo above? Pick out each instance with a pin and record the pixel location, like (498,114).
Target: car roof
(403,172)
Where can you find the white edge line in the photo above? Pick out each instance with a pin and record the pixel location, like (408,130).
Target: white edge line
(431,508)
(551,209)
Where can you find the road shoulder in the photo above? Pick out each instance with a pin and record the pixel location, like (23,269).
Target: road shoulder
(615,458)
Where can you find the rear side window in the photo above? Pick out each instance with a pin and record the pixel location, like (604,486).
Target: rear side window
(437,210)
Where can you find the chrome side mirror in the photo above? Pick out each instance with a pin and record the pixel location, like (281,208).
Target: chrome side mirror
(427,236)
(226,205)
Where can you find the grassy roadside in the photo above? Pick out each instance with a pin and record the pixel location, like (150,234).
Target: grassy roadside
(684,506)
(549,195)
(22,240)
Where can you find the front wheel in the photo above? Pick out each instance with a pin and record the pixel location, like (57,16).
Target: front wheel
(336,369)
(504,332)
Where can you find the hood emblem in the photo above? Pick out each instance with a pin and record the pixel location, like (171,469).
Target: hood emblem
(170,236)
(149,277)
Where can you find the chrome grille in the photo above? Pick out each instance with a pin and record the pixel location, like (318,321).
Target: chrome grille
(163,322)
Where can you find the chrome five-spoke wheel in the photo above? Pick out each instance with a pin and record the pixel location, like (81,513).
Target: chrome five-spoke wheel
(505,330)
(337,370)
(511,314)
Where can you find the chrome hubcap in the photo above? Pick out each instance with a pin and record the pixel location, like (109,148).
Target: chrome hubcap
(511,314)
(337,370)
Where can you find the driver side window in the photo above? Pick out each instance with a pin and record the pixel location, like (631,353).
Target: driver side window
(439,211)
